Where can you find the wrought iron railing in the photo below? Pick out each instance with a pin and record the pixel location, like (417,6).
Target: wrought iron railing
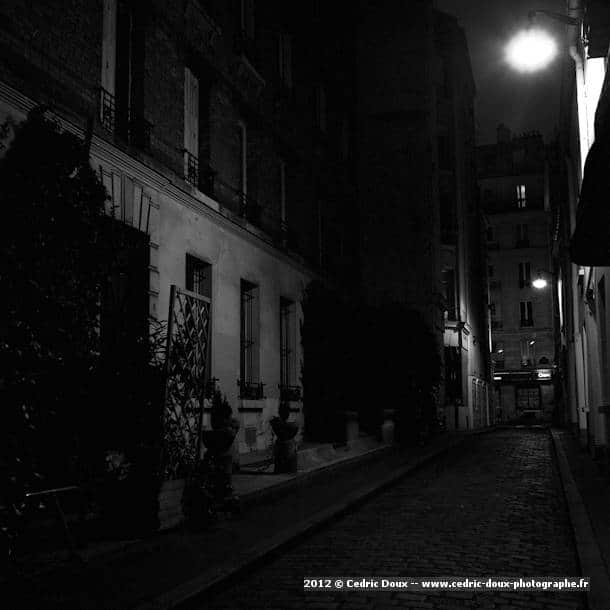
(134,127)
(289,392)
(250,390)
(107,110)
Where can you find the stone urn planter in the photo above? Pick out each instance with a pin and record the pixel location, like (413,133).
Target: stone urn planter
(388,426)
(284,449)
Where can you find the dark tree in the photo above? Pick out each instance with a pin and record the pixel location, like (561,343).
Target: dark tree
(51,270)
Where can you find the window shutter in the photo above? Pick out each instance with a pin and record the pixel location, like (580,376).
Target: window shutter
(191,113)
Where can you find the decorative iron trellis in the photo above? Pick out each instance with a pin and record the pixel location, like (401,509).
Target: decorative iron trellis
(187,356)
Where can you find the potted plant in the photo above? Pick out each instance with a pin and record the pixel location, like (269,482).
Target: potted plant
(284,449)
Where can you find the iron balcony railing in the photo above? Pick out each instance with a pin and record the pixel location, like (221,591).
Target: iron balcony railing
(133,127)
(205,178)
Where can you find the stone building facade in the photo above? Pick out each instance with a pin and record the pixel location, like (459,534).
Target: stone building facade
(213,133)
(515,177)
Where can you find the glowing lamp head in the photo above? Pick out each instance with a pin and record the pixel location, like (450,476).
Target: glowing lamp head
(539,283)
(531,50)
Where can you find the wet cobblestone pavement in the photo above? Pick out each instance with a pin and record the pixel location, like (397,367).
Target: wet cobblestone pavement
(492,507)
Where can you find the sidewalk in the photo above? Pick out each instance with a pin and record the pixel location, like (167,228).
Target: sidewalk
(587,491)
(171,567)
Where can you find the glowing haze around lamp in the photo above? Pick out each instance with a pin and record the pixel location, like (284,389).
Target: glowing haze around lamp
(539,283)
(531,50)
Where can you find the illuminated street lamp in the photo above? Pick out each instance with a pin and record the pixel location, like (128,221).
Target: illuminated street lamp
(539,283)
(531,50)
(534,48)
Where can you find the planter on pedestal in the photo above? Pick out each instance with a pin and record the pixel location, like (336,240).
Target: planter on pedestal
(284,449)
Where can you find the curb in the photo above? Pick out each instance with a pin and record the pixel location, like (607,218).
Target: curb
(212,580)
(283,488)
(589,554)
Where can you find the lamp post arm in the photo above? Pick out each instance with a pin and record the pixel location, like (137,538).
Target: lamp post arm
(552,15)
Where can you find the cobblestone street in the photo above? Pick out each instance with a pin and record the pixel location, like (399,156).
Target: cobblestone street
(492,507)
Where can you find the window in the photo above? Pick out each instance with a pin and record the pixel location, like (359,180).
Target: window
(198,276)
(287,343)
(321,108)
(191,127)
(242,135)
(285,59)
(521,198)
(521,234)
(525,308)
(122,78)
(603,335)
(525,275)
(199,281)
(528,351)
(249,336)
(449,287)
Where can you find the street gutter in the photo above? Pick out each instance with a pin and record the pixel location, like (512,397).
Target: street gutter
(589,555)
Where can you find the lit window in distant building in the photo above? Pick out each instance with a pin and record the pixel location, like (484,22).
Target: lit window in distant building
(521,197)
(450,294)
(525,309)
(525,275)
(528,352)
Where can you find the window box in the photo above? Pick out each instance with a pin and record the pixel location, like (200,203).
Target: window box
(250,390)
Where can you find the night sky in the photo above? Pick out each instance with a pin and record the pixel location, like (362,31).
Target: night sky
(524,102)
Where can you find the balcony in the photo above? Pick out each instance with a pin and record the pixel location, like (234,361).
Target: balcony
(201,177)
(250,390)
(289,392)
(133,128)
